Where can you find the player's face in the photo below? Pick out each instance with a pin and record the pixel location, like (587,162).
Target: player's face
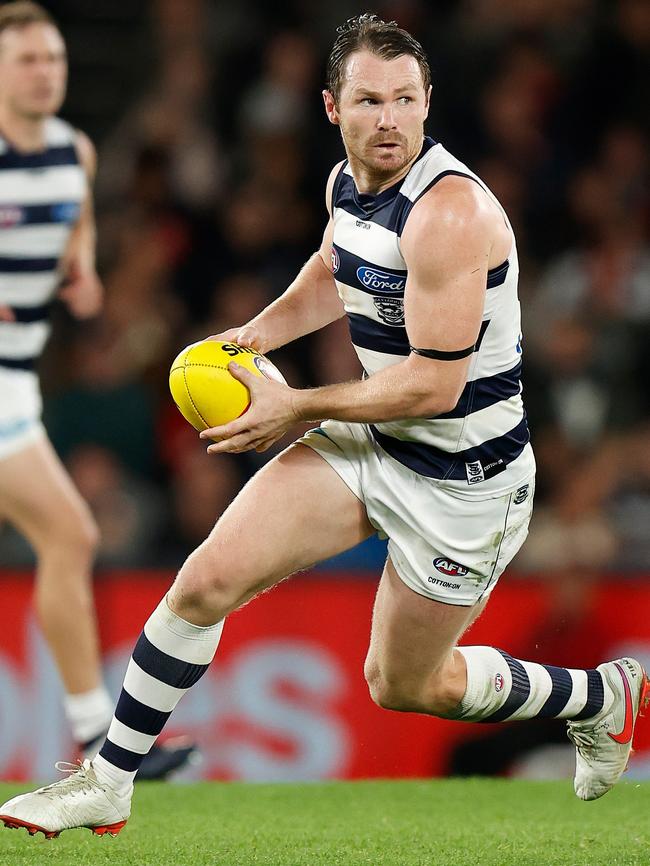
(381,110)
(33,70)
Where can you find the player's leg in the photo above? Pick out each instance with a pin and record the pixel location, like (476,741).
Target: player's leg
(293,513)
(413,664)
(38,497)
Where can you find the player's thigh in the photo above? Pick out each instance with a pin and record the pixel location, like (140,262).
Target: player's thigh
(294,512)
(412,636)
(39,498)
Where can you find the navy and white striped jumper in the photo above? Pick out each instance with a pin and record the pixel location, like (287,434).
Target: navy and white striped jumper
(41,193)
(482,446)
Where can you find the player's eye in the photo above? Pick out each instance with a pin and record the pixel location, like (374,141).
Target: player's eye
(368,100)
(404,100)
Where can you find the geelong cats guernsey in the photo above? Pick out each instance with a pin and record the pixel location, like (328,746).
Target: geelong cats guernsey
(482,446)
(40,200)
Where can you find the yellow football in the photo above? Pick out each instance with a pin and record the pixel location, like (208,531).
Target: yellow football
(202,387)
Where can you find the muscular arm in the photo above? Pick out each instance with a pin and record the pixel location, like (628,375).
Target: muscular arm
(311,301)
(446,245)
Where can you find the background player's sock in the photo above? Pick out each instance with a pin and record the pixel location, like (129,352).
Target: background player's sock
(501,688)
(171,655)
(89,715)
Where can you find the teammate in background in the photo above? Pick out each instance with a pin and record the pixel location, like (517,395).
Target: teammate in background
(430,448)
(47,240)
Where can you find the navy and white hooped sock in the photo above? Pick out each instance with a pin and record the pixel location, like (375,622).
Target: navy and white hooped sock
(501,688)
(171,655)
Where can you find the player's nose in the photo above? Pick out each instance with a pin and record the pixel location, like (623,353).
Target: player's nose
(386,119)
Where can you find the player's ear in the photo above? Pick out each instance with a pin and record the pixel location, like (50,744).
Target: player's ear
(428,101)
(330,107)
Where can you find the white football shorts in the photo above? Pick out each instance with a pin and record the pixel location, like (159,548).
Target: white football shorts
(443,546)
(20,410)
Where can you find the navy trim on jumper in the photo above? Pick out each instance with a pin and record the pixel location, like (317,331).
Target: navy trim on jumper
(435,463)
(53,156)
(27,315)
(18,363)
(481,393)
(368,334)
(373,279)
(13,265)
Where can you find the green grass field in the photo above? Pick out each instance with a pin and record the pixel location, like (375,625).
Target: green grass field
(437,823)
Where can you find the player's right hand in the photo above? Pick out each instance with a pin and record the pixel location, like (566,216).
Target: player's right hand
(6,314)
(244,335)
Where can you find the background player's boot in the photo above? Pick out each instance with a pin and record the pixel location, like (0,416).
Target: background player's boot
(161,760)
(78,801)
(604,742)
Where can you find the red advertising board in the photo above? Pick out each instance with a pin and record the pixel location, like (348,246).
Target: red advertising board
(285,698)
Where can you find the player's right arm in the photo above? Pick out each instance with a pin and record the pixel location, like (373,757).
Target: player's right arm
(310,303)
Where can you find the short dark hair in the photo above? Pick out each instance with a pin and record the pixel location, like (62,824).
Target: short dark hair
(383,38)
(22,13)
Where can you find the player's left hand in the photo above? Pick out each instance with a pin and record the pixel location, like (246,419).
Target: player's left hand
(267,419)
(82,292)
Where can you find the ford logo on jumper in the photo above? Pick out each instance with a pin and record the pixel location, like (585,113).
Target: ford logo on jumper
(380,281)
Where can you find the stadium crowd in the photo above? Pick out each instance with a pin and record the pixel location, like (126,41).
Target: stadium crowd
(210,196)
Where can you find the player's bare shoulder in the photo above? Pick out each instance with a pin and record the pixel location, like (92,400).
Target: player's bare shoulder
(455,214)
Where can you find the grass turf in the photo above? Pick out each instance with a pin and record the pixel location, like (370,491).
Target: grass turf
(438,823)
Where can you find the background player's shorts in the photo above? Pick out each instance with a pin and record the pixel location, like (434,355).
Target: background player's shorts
(20,410)
(443,546)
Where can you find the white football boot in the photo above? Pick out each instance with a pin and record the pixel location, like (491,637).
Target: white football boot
(604,742)
(78,801)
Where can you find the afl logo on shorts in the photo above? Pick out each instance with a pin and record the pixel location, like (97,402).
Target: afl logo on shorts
(336,264)
(448,567)
(498,682)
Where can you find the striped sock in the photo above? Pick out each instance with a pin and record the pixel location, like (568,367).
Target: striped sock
(503,689)
(171,655)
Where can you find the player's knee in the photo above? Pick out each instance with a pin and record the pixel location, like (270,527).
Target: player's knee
(205,582)
(386,692)
(433,696)
(75,537)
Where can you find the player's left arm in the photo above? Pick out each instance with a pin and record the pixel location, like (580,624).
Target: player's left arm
(82,290)
(446,246)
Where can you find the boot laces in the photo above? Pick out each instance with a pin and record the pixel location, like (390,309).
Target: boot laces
(584,741)
(79,780)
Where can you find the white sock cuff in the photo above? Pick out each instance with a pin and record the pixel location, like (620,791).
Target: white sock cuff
(183,640)
(483,694)
(89,713)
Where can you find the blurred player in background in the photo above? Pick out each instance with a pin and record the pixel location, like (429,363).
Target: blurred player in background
(430,448)
(47,249)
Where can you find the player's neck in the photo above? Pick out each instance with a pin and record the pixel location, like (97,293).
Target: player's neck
(23,133)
